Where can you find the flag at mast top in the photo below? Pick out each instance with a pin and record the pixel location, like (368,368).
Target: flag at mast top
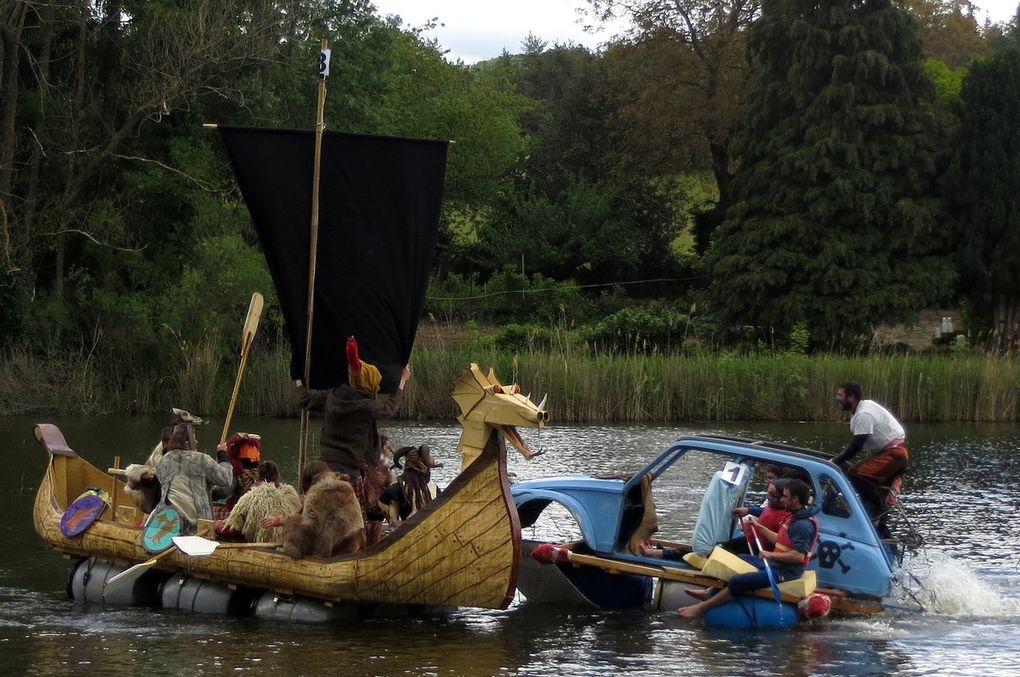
(324,59)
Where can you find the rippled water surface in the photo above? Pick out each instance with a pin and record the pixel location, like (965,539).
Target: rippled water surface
(962,495)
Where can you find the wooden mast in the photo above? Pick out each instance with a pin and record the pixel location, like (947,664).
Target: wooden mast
(313,241)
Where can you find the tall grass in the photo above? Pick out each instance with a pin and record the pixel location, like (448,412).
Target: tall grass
(583,383)
(591,386)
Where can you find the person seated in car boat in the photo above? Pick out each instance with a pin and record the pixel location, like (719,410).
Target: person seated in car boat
(186,476)
(795,545)
(415,489)
(767,520)
(770,516)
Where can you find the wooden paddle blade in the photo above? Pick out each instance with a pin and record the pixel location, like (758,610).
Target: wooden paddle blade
(127,578)
(251,325)
(251,321)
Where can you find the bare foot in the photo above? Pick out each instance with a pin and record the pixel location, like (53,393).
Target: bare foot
(692,611)
(697,593)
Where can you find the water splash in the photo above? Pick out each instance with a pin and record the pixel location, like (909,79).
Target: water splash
(952,587)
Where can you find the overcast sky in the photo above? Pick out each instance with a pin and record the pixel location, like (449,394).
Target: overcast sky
(475,30)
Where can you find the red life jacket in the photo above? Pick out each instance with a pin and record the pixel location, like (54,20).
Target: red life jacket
(784,544)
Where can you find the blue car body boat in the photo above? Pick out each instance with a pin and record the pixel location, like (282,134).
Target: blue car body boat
(852,564)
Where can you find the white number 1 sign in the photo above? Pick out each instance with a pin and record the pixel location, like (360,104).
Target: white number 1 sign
(733,473)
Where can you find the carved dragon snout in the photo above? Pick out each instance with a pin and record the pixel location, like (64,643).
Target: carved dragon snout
(487,405)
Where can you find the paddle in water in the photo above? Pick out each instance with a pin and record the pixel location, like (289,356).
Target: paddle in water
(768,569)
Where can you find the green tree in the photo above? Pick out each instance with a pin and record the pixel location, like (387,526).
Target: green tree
(982,186)
(834,225)
(424,95)
(949,31)
(684,71)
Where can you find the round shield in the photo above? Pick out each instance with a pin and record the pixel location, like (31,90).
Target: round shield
(81,514)
(163,525)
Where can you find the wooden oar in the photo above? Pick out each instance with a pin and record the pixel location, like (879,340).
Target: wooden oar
(614,566)
(768,569)
(127,578)
(251,325)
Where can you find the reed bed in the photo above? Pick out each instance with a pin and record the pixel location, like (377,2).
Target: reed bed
(588,386)
(583,384)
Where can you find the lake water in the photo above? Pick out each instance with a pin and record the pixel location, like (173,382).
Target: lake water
(962,495)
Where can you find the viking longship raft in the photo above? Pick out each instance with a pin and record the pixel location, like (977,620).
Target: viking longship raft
(462,549)
(373,234)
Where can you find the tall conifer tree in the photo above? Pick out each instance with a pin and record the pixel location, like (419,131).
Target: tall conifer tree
(984,188)
(834,225)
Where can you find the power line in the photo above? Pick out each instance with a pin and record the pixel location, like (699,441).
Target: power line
(545,289)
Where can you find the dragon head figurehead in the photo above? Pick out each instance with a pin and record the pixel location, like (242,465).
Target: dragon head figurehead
(487,407)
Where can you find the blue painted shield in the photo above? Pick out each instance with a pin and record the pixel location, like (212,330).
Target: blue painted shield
(80,515)
(163,525)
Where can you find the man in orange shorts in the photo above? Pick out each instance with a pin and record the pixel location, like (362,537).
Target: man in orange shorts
(877,432)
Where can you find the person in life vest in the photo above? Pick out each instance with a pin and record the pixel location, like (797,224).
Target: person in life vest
(795,544)
(877,433)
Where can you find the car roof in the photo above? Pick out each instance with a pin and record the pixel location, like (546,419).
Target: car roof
(750,444)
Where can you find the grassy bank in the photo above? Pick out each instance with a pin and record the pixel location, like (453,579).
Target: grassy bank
(582,385)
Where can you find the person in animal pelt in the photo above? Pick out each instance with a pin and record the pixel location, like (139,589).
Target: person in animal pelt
(244,450)
(649,523)
(350,442)
(329,524)
(269,496)
(415,488)
(142,486)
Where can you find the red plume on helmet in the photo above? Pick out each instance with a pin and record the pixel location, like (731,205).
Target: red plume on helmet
(361,374)
(353,361)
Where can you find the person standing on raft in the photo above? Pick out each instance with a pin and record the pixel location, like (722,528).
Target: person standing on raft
(350,442)
(880,435)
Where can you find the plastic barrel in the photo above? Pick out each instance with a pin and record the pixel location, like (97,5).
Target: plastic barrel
(206,597)
(303,610)
(87,580)
(752,612)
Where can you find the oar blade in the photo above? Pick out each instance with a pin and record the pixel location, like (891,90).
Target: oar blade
(251,321)
(126,579)
(772,581)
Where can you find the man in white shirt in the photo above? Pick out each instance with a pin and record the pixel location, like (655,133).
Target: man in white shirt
(880,435)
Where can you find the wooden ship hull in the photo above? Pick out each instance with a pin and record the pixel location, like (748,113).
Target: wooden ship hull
(462,549)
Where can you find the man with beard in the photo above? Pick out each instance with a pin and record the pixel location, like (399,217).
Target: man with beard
(880,435)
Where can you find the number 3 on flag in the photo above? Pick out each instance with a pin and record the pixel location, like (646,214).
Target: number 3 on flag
(324,63)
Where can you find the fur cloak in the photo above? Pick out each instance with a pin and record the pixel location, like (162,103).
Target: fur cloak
(262,500)
(330,523)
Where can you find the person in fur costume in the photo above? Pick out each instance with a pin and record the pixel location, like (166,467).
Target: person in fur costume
(377,478)
(415,488)
(329,524)
(244,450)
(142,487)
(177,417)
(350,441)
(269,496)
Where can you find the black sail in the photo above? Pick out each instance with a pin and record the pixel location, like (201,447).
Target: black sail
(379,203)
